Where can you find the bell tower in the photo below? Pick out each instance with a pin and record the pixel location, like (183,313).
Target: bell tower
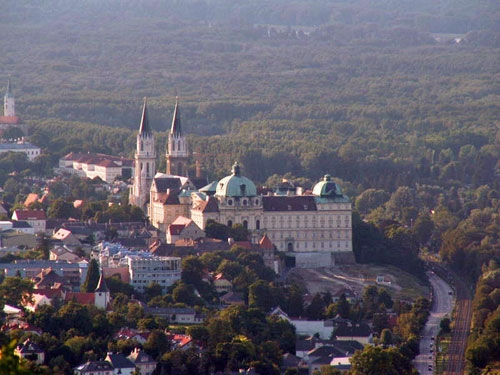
(145,162)
(9,104)
(177,151)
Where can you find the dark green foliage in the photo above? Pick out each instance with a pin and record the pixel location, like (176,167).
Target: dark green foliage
(93,276)
(376,360)
(484,345)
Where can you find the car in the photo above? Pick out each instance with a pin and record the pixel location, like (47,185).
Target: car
(432,338)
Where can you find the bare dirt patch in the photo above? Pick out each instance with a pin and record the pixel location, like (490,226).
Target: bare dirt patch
(355,277)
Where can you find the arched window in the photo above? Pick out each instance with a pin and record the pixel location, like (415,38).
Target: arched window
(290,246)
(173,146)
(245,224)
(257,224)
(179,145)
(229,223)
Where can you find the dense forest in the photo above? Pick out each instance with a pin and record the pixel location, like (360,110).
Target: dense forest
(399,100)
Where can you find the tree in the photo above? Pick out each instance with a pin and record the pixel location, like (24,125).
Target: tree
(60,209)
(262,296)
(93,276)
(9,362)
(444,325)
(192,270)
(214,229)
(16,291)
(157,343)
(422,229)
(374,360)
(152,290)
(239,233)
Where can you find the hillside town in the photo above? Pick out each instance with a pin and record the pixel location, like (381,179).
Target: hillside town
(199,254)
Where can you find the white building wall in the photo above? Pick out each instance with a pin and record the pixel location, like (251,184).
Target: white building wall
(161,270)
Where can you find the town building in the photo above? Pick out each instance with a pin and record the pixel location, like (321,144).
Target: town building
(35,218)
(143,361)
(94,368)
(106,167)
(21,145)
(163,271)
(121,364)
(30,351)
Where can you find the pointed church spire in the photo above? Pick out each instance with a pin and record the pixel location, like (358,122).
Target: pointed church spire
(144,129)
(176,121)
(8,93)
(102,286)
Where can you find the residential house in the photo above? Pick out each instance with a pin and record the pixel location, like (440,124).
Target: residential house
(121,364)
(183,228)
(143,361)
(357,331)
(59,253)
(181,315)
(232,298)
(35,218)
(221,284)
(94,368)
(30,351)
(67,238)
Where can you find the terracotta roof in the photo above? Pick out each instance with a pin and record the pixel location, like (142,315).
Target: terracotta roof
(81,297)
(265,243)
(30,214)
(31,198)
(174,229)
(9,119)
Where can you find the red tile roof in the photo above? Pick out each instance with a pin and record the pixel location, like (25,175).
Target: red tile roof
(30,214)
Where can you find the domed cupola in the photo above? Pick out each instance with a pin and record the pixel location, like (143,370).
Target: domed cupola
(327,188)
(236,185)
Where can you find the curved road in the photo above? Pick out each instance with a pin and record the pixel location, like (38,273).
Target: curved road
(442,306)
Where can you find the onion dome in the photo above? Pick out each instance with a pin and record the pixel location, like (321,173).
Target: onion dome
(236,185)
(327,188)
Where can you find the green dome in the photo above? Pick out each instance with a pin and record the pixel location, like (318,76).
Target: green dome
(236,185)
(327,188)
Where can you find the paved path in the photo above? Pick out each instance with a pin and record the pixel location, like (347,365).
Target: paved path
(442,306)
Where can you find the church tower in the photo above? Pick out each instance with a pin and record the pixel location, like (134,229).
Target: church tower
(9,105)
(101,294)
(177,150)
(145,162)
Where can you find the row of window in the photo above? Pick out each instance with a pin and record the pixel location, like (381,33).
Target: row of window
(291,246)
(342,234)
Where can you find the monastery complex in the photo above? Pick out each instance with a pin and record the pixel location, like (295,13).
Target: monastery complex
(311,226)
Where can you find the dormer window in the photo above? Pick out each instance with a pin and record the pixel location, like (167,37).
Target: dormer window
(245,202)
(230,202)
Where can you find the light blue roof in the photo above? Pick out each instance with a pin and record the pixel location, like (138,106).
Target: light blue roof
(236,185)
(327,189)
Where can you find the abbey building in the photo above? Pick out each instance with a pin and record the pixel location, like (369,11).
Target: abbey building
(313,226)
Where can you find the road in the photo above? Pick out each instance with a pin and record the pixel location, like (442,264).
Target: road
(442,306)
